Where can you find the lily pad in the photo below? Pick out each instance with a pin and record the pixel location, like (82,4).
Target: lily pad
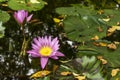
(4,16)
(3,0)
(31,5)
(112,56)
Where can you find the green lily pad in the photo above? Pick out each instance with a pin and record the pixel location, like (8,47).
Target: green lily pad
(81,24)
(112,56)
(4,16)
(31,5)
(3,0)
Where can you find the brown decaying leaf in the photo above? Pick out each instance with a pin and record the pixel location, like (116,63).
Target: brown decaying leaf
(100,44)
(55,67)
(36,21)
(95,38)
(96,44)
(106,19)
(111,30)
(100,11)
(109,34)
(65,73)
(100,57)
(112,46)
(4,5)
(102,60)
(100,29)
(40,74)
(114,72)
(56,20)
(80,77)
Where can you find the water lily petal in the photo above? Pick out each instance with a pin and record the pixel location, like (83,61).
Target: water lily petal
(21,16)
(29,17)
(54,57)
(36,42)
(43,61)
(33,53)
(26,14)
(54,44)
(35,47)
(59,54)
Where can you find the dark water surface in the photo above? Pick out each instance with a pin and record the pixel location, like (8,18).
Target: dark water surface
(14,67)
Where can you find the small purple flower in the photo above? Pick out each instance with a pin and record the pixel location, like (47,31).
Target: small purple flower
(22,16)
(45,48)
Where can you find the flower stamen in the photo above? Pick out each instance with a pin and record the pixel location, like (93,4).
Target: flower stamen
(45,51)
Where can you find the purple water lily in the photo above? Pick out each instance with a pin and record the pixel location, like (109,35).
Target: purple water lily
(45,48)
(21,16)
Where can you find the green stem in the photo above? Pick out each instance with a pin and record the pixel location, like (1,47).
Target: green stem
(24,44)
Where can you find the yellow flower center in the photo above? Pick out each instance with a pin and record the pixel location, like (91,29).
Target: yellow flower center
(45,51)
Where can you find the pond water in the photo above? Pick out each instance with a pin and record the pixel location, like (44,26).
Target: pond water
(14,67)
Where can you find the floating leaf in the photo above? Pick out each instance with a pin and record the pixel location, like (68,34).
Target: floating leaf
(110,16)
(75,10)
(81,24)
(32,5)
(3,0)
(4,16)
(111,55)
(83,68)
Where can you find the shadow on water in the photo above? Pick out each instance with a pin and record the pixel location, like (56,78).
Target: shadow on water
(13,67)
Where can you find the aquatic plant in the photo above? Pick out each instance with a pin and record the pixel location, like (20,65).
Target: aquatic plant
(21,16)
(45,48)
